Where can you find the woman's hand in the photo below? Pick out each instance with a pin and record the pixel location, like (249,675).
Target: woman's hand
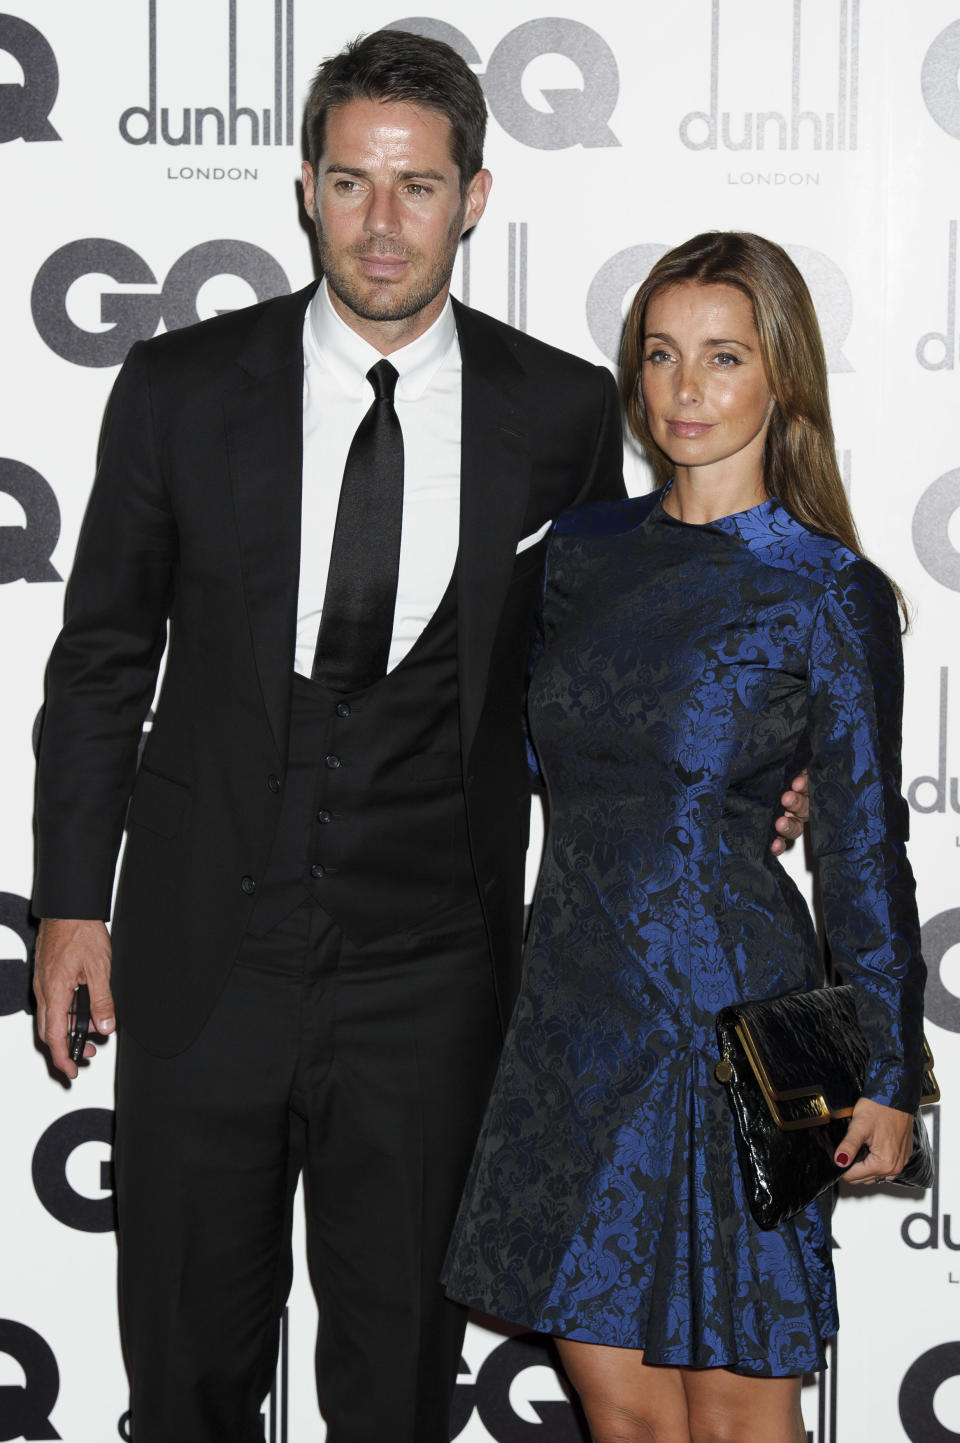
(886,1131)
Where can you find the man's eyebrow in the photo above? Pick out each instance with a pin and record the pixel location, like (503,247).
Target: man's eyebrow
(361,174)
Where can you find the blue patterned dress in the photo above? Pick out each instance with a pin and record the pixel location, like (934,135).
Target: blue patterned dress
(687,673)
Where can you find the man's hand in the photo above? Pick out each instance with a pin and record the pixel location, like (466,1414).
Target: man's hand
(796,814)
(68,953)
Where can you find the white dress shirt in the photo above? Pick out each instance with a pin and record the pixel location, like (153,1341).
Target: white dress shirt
(336,397)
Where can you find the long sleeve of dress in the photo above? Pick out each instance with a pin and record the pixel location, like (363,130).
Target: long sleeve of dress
(859,824)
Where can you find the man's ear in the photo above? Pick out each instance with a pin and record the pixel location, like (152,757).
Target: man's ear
(476,199)
(309,190)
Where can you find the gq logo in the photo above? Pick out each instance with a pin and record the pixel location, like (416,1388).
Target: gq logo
(919,1389)
(572,116)
(24,108)
(50,1174)
(15,971)
(492,1395)
(938,79)
(937,937)
(25,551)
(618,277)
(931,530)
(25,1408)
(134,315)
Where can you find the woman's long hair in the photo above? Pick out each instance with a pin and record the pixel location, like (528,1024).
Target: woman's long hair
(799,459)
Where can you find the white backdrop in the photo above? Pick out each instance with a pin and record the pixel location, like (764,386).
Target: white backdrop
(149,153)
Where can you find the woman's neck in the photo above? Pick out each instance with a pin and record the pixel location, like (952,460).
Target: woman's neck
(698,498)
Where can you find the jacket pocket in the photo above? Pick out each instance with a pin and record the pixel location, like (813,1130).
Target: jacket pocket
(158,803)
(436,766)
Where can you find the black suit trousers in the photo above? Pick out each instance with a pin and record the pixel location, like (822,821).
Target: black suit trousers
(365,1068)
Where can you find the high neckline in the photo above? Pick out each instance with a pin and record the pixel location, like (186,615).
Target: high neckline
(729,523)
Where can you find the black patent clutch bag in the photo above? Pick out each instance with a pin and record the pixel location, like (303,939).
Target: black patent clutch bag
(793,1068)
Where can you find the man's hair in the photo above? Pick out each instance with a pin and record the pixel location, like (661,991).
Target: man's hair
(413,69)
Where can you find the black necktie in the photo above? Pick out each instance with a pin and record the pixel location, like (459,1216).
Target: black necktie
(356,627)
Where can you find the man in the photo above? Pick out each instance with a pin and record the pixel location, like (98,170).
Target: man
(317,930)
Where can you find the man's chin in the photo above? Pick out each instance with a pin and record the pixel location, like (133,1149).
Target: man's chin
(381,300)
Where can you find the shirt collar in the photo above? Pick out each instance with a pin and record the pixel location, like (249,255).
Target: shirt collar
(332,344)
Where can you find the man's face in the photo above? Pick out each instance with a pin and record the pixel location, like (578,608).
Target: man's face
(389,215)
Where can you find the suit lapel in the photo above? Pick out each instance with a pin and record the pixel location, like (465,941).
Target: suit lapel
(264,426)
(494,487)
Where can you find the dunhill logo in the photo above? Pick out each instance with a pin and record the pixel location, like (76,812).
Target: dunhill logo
(944,354)
(939,789)
(230,124)
(796,128)
(927,1235)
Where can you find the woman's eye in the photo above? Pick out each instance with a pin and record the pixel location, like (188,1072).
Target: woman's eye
(724,358)
(658,356)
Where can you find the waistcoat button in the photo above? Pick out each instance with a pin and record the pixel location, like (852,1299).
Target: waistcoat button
(273,782)
(324,817)
(316,870)
(343,708)
(248,885)
(332,761)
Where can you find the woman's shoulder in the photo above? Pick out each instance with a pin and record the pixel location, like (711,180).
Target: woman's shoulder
(837,577)
(605,518)
(815,555)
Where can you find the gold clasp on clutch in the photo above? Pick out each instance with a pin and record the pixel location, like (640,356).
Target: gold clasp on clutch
(808,1105)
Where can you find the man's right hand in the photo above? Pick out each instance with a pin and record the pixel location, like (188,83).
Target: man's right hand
(68,953)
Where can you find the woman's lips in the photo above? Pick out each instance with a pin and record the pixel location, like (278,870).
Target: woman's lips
(690,429)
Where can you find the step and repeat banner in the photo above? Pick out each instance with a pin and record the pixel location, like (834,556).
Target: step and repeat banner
(149,153)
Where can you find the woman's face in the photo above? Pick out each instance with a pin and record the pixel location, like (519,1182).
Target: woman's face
(705,386)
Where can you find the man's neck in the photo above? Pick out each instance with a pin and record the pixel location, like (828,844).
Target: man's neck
(388,336)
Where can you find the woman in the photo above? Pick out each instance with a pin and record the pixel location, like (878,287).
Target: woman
(700,644)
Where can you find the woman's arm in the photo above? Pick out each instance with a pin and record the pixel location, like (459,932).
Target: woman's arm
(859,825)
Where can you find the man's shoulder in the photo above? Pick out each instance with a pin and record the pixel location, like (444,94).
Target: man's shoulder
(226,336)
(530,353)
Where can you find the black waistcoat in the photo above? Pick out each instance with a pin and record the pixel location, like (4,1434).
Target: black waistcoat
(373,819)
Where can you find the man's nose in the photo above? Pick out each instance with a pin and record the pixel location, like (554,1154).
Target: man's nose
(382,216)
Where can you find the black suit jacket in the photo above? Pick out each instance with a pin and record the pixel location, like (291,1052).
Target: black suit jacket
(194,525)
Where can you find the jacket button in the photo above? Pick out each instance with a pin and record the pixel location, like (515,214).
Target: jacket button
(317,870)
(273,782)
(324,817)
(248,885)
(343,708)
(332,761)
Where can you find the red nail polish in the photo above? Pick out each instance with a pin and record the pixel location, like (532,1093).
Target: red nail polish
(842,1159)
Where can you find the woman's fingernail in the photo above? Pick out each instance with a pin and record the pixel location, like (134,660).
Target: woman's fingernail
(842,1159)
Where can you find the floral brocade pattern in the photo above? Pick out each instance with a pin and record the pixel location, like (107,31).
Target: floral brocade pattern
(687,673)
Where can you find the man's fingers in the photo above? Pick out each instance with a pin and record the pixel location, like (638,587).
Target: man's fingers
(70,952)
(101,1006)
(796,801)
(59,1053)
